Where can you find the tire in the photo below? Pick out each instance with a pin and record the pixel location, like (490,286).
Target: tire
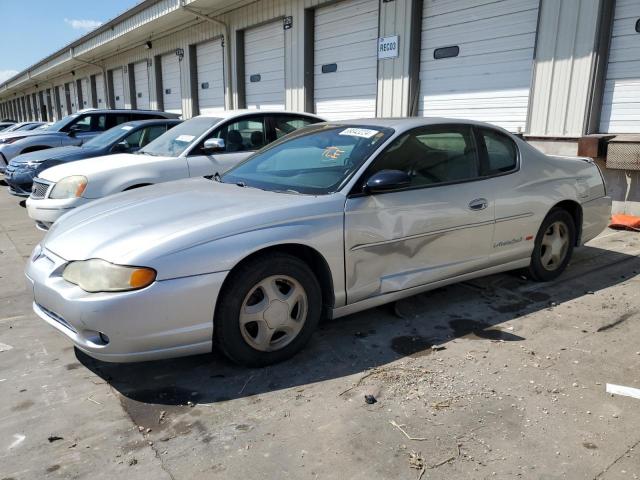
(553,246)
(283,288)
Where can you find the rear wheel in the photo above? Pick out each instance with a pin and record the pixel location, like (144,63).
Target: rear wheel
(553,246)
(268,310)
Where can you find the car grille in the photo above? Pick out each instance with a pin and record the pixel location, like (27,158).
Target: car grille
(39,189)
(57,318)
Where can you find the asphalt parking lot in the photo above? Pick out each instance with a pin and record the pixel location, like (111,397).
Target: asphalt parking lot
(493,378)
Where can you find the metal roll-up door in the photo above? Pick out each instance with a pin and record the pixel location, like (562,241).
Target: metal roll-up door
(621,100)
(118,88)
(264,66)
(101,100)
(476,60)
(171,85)
(141,77)
(346,59)
(86,101)
(210,75)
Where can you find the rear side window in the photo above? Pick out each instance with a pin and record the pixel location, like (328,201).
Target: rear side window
(502,154)
(284,124)
(432,155)
(118,118)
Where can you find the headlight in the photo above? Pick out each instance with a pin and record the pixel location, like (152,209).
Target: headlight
(98,275)
(69,187)
(31,165)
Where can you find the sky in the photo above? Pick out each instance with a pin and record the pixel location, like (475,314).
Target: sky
(33,29)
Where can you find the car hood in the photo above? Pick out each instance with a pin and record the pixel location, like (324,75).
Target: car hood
(155,221)
(59,153)
(32,133)
(95,165)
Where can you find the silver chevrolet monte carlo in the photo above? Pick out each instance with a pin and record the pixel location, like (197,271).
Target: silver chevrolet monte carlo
(332,219)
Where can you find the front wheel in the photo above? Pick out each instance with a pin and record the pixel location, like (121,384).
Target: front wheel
(268,310)
(553,246)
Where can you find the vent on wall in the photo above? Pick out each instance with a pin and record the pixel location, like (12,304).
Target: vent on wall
(204,85)
(330,68)
(446,52)
(167,91)
(255,78)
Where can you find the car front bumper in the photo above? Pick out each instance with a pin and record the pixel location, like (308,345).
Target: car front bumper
(45,211)
(169,318)
(19,180)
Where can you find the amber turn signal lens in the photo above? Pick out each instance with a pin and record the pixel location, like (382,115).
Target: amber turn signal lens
(142,277)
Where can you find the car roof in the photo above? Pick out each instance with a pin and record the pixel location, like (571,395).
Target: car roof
(407,123)
(227,114)
(126,110)
(151,122)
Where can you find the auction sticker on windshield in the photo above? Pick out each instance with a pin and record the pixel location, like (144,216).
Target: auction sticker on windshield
(359,132)
(126,127)
(185,138)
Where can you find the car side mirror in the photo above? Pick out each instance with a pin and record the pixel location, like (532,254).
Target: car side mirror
(387,180)
(213,145)
(120,147)
(73,130)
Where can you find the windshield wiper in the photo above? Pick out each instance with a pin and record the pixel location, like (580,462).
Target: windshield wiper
(289,190)
(241,184)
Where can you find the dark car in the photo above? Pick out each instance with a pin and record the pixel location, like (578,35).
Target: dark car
(125,138)
(5,125)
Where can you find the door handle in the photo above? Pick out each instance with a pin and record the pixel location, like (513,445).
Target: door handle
(478,204)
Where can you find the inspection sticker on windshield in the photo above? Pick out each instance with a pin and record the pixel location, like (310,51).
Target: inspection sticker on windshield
(126,127)
(185,138)
(358,132)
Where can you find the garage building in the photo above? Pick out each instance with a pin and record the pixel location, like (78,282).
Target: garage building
(565,74)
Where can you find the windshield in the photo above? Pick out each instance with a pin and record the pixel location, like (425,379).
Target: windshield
(109,137)
(60,124)
(315,160)
(180,137)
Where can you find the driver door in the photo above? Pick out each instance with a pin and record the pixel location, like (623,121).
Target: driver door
(438,227)
(242,137)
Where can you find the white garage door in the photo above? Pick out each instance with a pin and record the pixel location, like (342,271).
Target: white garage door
(264,66)
(477,59)
(621,99)
(171,94)
(141,77)
(209,60)
(86,101)
(345,59)
(118,88)
(100,95)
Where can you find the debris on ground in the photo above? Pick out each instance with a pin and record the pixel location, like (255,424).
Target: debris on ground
(54,438)
(370,399)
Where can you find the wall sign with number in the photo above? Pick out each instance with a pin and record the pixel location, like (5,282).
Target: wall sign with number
(388,47)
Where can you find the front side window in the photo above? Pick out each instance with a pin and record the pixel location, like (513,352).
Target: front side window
(149,134)
(502,155)
(315,160)
(432,155)
(243,135)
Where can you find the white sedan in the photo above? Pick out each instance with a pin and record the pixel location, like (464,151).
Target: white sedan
(202,146)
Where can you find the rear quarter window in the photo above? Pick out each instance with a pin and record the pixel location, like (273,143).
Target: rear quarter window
(502,153)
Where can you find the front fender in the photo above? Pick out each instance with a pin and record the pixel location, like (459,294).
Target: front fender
(114,181)
(323,234)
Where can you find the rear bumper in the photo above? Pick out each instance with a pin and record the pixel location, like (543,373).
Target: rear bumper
(596,216)
(170,318)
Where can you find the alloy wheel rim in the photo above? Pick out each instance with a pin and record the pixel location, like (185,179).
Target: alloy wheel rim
(554,246)
(273,313)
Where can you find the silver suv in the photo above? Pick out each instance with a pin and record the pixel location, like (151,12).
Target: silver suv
(71,130)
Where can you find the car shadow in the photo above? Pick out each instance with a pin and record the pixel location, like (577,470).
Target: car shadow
(417,326)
